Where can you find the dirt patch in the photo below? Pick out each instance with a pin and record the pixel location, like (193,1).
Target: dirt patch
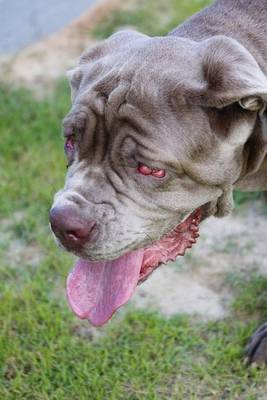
(196,283)
(40,64)
(20,253)
(14,251)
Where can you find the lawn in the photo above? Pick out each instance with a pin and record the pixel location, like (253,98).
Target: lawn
(45,352)
(153,17)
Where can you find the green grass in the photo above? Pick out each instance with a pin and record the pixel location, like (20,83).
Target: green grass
(153,17)
(241,198)
(45,352)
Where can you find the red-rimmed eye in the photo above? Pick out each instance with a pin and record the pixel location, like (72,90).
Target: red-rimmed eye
(158,173)
(69,144)
(145,170)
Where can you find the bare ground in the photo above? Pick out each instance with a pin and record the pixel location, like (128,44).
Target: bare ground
(14,251)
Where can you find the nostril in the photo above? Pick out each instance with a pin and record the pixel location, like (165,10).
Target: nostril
(68,224)
(81,232)
(72,235)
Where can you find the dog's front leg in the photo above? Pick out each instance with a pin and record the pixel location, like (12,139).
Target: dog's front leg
(256,350)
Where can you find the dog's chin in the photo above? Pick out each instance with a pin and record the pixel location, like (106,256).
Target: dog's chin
(96,289)
(101,254)
(98,251)
(170,245)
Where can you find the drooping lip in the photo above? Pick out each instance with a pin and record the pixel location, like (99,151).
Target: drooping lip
(95,290)
(171,245)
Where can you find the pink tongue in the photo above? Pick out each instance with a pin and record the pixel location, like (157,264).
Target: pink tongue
(96,290)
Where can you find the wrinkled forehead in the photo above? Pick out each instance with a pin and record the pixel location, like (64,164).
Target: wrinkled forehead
(124,84)
(148,66)
(119,127)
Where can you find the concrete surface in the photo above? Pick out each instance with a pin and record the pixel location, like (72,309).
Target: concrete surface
(24,21)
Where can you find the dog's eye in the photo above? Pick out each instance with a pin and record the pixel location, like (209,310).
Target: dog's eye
(145,170)
(69,144)
(158,173)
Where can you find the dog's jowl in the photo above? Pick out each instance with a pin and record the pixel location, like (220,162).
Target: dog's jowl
(161,130)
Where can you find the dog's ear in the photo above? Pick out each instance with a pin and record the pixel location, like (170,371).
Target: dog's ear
(230,74)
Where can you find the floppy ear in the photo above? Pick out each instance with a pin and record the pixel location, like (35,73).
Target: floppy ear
(230,74)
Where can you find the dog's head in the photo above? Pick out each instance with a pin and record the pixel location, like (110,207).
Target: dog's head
(159,131)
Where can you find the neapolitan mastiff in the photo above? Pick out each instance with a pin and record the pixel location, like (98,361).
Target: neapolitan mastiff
(161,130)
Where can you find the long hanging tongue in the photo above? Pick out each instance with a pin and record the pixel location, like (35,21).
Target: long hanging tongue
(96,290)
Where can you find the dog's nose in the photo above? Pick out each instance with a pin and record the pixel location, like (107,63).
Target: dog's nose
(69,226)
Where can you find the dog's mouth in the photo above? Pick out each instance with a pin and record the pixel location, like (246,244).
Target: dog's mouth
(95,290)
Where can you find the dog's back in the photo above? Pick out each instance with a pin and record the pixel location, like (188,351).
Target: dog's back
(243,20)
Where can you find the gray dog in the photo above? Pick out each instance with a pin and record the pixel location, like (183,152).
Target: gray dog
(161,130)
